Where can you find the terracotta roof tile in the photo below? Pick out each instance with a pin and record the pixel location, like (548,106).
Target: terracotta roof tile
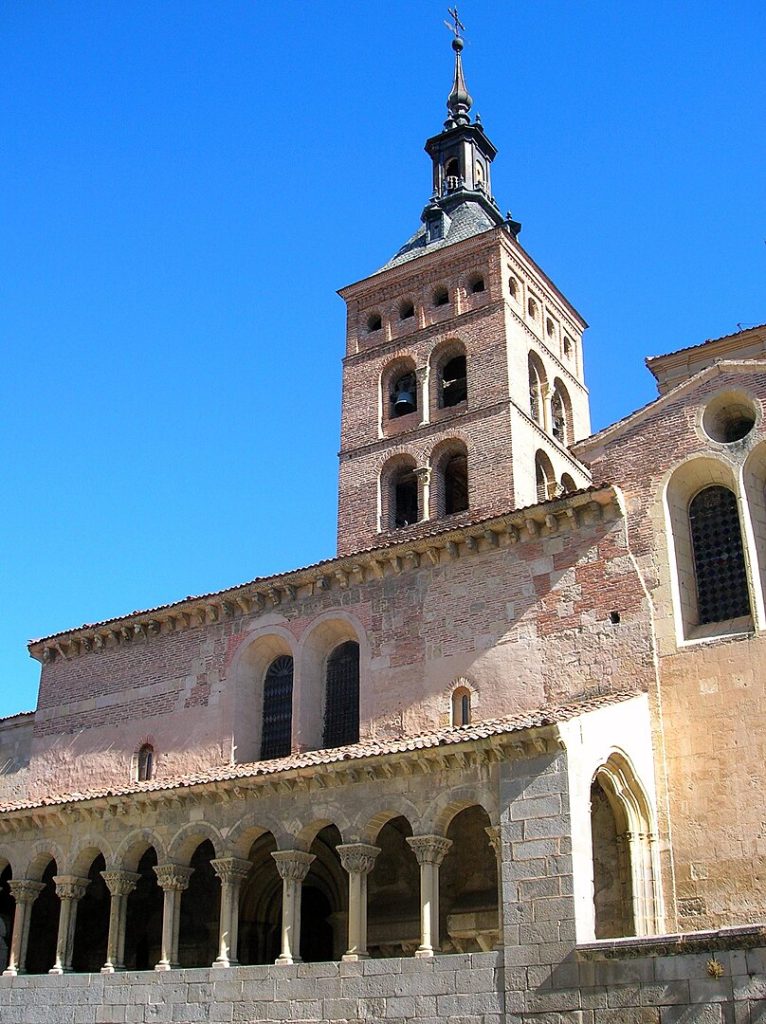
(689,348)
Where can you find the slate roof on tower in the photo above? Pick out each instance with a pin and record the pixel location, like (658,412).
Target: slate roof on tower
(462,204)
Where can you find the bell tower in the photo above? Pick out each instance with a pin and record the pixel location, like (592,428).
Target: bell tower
(462,380)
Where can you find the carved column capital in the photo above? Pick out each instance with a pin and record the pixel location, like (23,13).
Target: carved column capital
(70,887)
(25,890)
(293,864)
(358,858)
(231,869)
(493,834)
(173,877)
(120,883)
(429,849)
(423,473)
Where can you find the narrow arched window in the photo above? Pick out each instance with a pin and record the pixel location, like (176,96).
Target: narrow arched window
(456,484)
(461,706)
(719,561)
(404,492)
(341,713)
(277,721)
(454,382)
(145,763)
(545,482)
(536,378)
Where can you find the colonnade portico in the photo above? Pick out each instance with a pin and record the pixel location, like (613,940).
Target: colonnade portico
(357,859)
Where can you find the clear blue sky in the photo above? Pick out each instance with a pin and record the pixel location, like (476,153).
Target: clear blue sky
(185,184)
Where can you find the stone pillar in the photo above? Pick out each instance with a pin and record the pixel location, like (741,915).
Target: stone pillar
(421,377)
(424,491)
(493,833)
(358,859)
(25,892)
(232,871)
(430,852)
(173,880)
(120,884)
(293,866)
(70,890)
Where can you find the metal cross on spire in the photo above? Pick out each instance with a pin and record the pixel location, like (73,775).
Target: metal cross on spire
(456,24)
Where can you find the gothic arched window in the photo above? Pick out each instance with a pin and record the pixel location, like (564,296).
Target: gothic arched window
(341,711)
(145,763)
(277,721)
(719,561)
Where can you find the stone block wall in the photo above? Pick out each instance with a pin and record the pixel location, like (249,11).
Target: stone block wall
(459,989)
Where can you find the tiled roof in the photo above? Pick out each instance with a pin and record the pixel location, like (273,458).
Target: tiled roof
(19,714)
(545,716)
(400,541)
(701,344)
(469,219)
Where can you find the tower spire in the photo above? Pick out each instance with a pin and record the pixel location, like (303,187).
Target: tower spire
(459,101)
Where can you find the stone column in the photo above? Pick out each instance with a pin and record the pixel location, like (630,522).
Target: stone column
(70,890)
(25,892)
(430,852)
(120,884)
(293,866)
(358,859)
(232,871)
(173,880)
(493,833)
(421,377)
(424,491)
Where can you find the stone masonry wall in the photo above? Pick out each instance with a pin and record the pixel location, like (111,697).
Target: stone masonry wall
(624,982)
(712,712)
(458,989)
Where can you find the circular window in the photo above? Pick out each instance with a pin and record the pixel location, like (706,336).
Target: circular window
(729,418)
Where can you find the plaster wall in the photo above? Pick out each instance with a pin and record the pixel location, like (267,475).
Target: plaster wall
(526,623)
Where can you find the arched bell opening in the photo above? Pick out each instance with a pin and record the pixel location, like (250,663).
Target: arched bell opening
(260,906)
(468,885)
(200,911)
(143,929)
(43,925)
(612,888)
(92,922)
(7,914)
(324,917)
(393,894)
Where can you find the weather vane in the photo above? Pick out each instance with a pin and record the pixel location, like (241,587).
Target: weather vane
(456,24)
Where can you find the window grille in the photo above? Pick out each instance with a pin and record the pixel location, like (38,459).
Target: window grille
(719,561)
(276,729)
(341,716)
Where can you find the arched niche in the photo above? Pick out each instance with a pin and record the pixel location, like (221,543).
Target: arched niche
(248,672)
(623,837)
(324,636)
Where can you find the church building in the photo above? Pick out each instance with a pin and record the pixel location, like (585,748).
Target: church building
(499,760)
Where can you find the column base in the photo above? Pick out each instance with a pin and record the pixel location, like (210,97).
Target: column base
(222,962)
(57,970)
(10,972)
(352,958)
(163,965)
(423,954)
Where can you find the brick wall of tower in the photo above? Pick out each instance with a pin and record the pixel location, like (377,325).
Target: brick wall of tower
(497,333)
